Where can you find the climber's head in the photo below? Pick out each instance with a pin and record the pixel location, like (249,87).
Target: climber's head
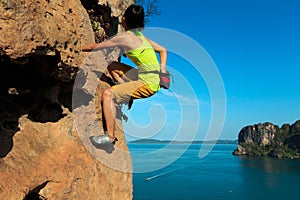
(133,17)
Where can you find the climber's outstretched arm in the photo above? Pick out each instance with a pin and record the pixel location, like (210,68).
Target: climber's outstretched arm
(119,40)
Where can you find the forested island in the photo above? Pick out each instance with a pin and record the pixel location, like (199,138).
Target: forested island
(270,140)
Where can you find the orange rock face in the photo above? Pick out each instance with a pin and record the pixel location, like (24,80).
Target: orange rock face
(49,159)
(45,150)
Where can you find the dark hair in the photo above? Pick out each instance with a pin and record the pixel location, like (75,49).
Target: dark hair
(134,16)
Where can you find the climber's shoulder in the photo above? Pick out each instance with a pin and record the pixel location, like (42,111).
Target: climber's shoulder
(128,40)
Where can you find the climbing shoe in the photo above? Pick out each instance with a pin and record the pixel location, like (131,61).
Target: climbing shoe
(102,140)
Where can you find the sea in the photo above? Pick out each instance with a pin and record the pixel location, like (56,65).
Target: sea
(216,175)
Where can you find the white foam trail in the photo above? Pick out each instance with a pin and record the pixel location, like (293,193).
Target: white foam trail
(153,177)
(168,172)
(162,174)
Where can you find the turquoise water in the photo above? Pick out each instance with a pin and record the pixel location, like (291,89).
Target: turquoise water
(219,175)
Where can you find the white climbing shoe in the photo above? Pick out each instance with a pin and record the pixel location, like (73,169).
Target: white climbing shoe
(101,140)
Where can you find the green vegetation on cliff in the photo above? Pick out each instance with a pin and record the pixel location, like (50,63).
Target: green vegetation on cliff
(270,140)
(280,151)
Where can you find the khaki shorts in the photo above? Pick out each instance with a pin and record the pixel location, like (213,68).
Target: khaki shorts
(131,90)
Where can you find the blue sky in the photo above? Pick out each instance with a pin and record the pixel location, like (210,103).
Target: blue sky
(255,45)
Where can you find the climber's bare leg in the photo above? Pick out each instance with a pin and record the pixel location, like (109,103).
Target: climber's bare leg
(121,72)
(109,110)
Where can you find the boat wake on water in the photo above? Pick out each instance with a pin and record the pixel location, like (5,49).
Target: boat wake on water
(171,171)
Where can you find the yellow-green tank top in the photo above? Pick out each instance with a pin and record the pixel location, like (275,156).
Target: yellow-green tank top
(145,59)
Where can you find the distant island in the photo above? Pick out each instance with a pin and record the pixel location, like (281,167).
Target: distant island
(270,140)
(154,141)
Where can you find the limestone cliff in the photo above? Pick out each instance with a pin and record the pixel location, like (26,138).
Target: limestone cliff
(270,140)
(45,117)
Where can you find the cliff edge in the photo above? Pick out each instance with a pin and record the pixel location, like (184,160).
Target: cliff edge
(45,152)
(270,140)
